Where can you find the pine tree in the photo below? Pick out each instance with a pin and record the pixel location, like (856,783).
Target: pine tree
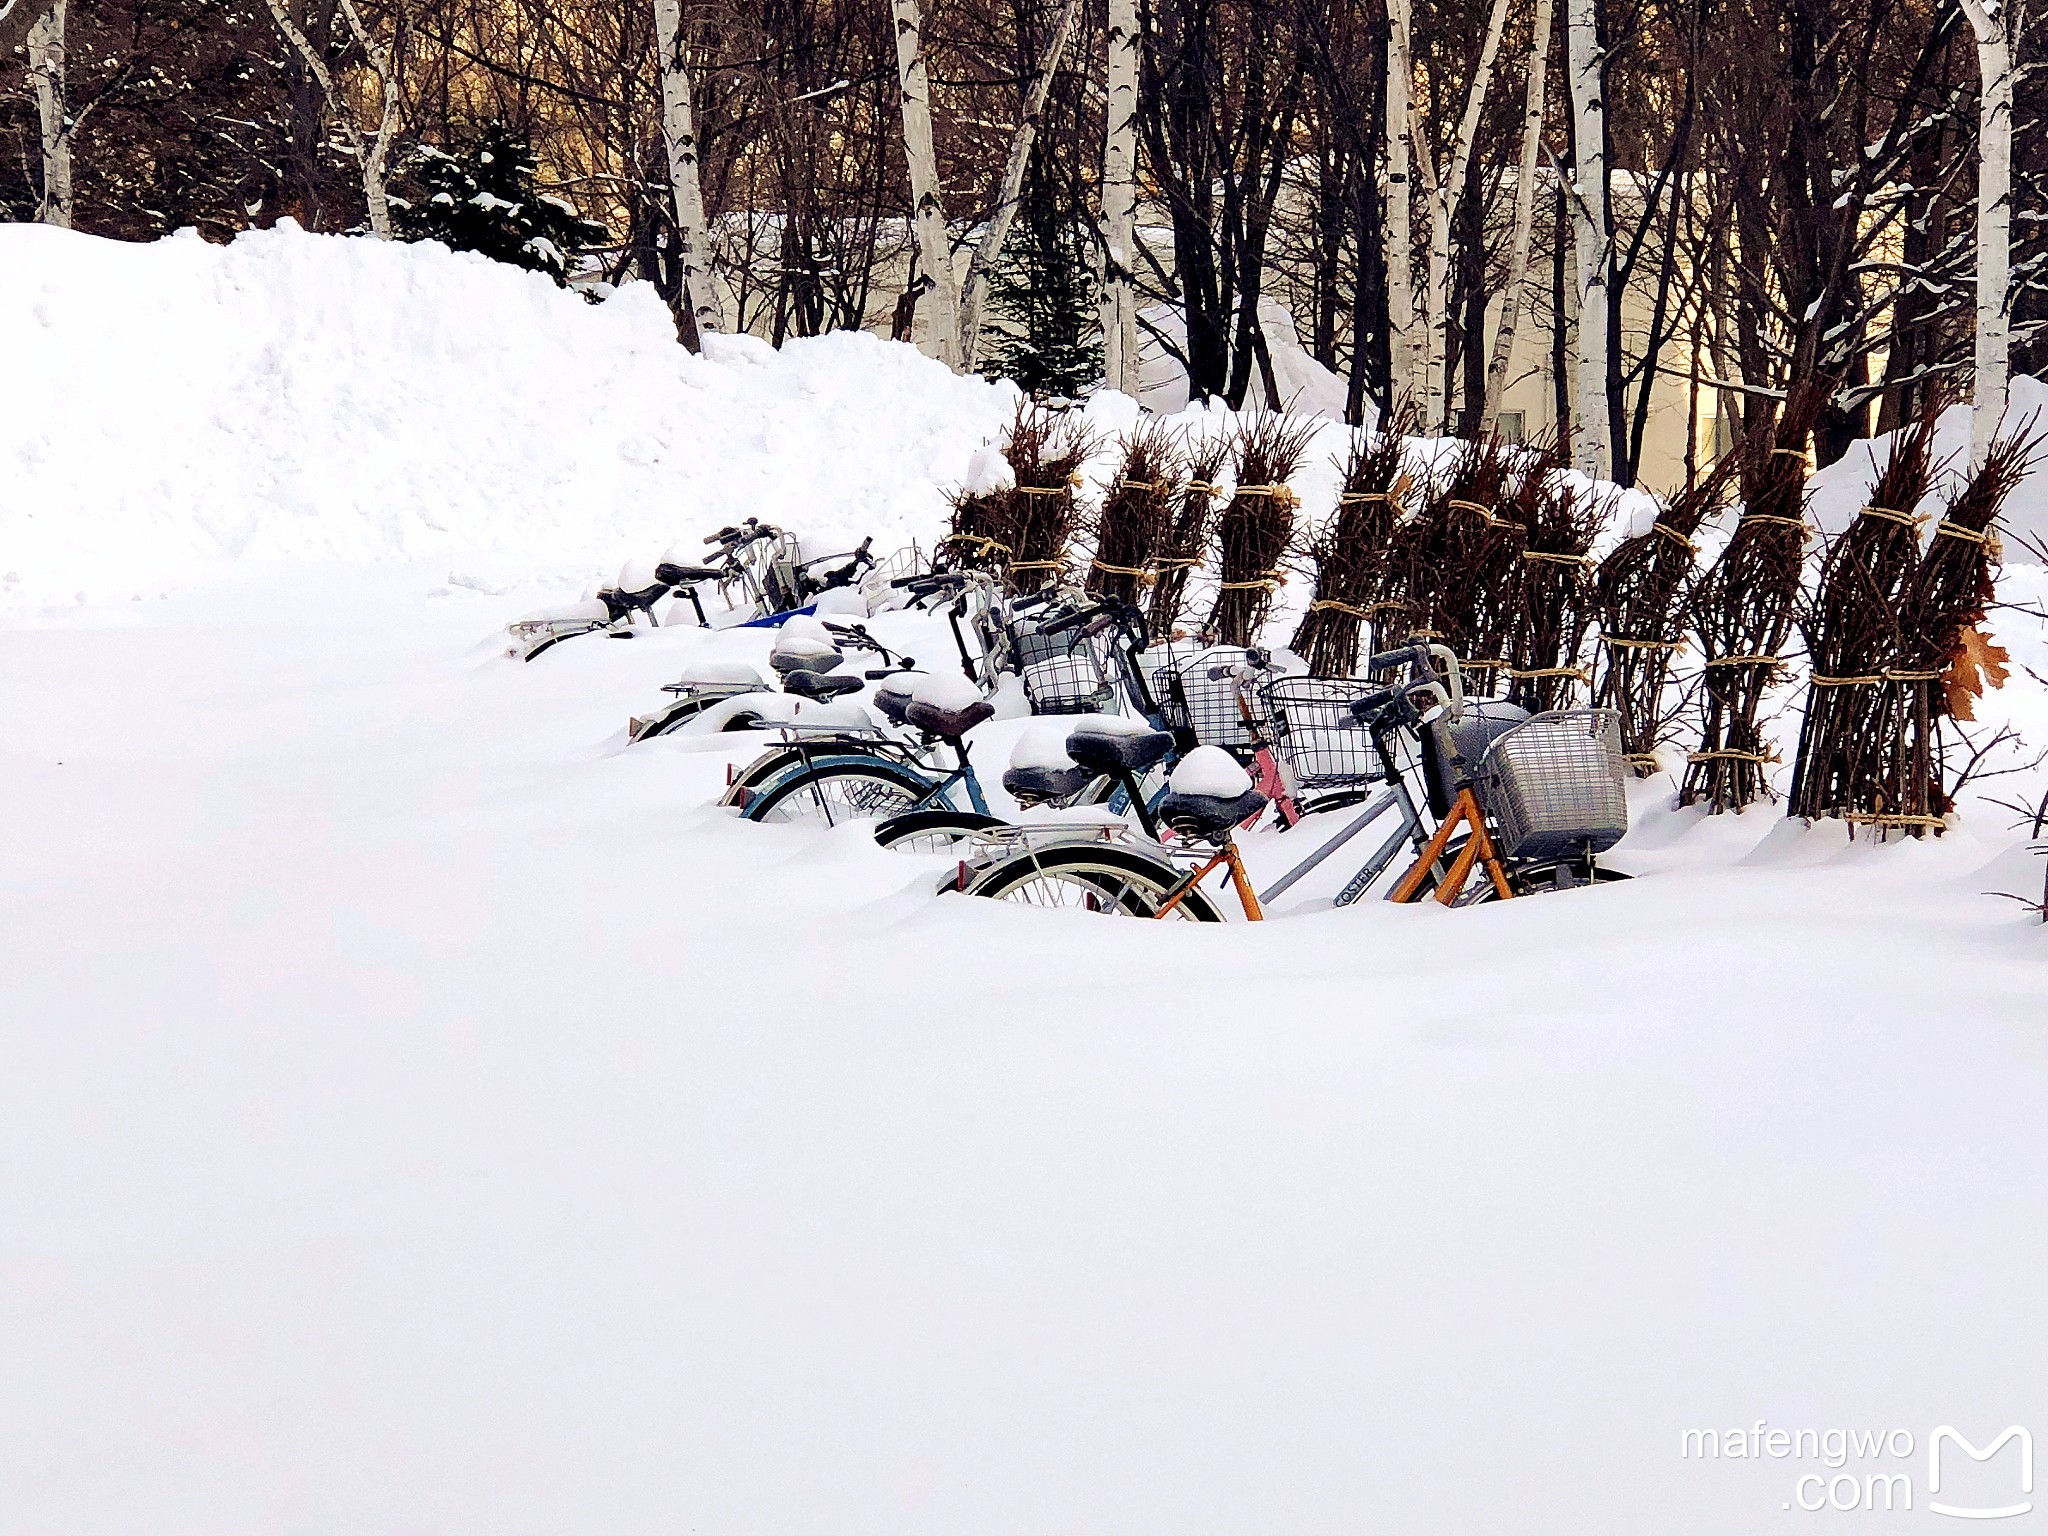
(485,197)
(1043,329)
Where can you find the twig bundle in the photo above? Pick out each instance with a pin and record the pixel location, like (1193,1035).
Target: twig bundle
(980,536)
(1638,593)
(1742,611)
(1136,515)
(1550,604)
(1257,525)
(1184,547)
(1045,450)
(1453,557)
(1850,622)
(1353,554)
(1944,659)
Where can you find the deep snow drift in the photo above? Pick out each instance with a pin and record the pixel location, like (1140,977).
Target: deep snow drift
(421,1111)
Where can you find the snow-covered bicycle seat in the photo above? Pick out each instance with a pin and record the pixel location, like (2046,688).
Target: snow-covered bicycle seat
(1112,749)
(1209,794)
(821,685)
(947,705)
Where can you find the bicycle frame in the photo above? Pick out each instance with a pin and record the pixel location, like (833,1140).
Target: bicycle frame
(1478,850)
(1226,857)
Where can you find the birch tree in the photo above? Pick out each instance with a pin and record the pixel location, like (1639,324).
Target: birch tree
(1519,240)
(696,301)
(1444,195)
(1994,220)
(371,151)
(990,250)
(1589,224)
(1408,355)
(17,19)
(53,111)
(934,245)
(1119,202)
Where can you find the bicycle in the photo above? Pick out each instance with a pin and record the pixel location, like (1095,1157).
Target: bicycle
(804,661)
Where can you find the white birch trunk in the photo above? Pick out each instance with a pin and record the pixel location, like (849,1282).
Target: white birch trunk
(1005,212)
(371,152)
(1446,201)
(1589,223)
(46,68)
(1406,349)
(1503,358)
(1120,202)
(934,246)
(697,306)
(1994,227)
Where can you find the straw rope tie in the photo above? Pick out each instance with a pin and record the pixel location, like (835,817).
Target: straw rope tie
(1036,565)
(1983,538)
(1144,576)
(1673,534)
(1641,760)
(1893,819)
(1630,643)
(1913,677)
(1208,486)
(1177,565)
(1270,582)
(1894,515)
(1043,490)
(1864,680)
(1153,486)
(1747,661)
(1322,603)
(1749,518)
(1580,673)
(1354,498)
(981,544)
(1728,754)
(1582,561)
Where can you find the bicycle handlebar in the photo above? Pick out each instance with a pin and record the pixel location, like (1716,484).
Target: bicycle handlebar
(1437,663)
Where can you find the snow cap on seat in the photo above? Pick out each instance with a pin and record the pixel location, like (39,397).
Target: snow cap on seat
(803,626)
(638,576)
(945,690)
(1210,771)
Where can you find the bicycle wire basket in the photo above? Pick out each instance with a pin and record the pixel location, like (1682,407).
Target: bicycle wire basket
(1063,672)
(1193,703)
(1556,785)
(1319,744)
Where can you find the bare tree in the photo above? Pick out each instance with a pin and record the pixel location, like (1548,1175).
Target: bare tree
(370,152)
(695,303)
(1502,362)
(46,67)
(934,244)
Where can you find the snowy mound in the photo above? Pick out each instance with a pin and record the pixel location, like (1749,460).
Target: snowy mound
(1840,490)
(294,397)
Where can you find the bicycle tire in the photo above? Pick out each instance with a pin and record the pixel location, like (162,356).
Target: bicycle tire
(864,789)
(932,831)
(760,775)
(674,715)
(1528,882)
(1092,877)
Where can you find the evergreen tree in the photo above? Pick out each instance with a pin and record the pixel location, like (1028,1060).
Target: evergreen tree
(485,197)
(1043,330)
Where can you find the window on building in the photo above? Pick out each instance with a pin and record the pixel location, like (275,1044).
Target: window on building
(1514,427)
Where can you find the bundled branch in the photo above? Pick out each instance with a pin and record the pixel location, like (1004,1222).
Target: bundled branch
(1453,558)
(1353,555)
(1850,623)
(1045,450)
(1742,611)
(1549,589)
(1184,545)
(981,535)
(1639,594)
(1137,515)
(1257,525)
(1945,661)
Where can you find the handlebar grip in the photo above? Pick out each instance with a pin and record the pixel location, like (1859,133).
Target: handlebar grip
(1365,709)
(1078,616)
(1419,654)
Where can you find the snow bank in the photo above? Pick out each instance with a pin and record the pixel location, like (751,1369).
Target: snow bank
(1840,490)
(295,397)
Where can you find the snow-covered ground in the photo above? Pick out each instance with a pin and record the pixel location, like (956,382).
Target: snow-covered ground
(421,1111)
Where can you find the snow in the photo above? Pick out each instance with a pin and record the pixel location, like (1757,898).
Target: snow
(423,1111)
(1841,489)
(303,397)
(949,691)
(1210,771)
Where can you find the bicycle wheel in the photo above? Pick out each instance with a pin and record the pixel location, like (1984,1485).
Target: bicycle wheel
(1089,877)
(837,792)
(932,831)
(1538,881)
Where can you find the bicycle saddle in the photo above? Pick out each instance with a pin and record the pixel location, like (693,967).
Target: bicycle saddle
(795,654)
(948,724)
(821,685)
(893,698)
(1209,794)
(947,705)
(1102,750)
(1037,783)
